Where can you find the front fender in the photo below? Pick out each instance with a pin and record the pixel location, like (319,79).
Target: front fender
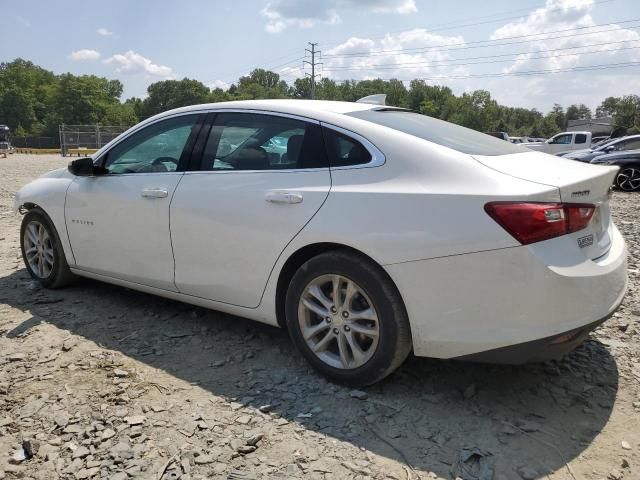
(48,193)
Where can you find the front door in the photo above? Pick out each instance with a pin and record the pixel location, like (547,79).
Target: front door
(118,223)
(560,143)
(261,178)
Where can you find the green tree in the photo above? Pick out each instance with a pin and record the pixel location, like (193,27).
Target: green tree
(578,112)
(608,107)
(627,112)
(262,83)
(25,94)
(169,94)
(84,99)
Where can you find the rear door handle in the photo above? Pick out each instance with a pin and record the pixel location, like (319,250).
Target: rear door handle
(155,192)
(277,196)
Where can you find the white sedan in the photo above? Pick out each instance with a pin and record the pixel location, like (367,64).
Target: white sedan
(367,231)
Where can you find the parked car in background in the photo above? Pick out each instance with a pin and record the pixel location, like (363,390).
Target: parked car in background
(631,142)
(628,177)
(521,140)
(501,135)
(595,141)
(358,236)
(562,143)
(5,140)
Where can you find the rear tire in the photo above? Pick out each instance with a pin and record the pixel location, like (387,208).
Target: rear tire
(628,178)
(356,337)
(42,251)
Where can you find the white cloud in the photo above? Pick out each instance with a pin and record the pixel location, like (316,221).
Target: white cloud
(578,42)
(442,59)
(84,55)
(133,62)
(23,21)
(219,84)
(282,14)
(104,32)
(412,54)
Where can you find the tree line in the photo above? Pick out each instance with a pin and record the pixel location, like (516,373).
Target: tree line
(34,101)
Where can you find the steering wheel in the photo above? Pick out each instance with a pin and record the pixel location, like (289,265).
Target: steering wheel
(162,160)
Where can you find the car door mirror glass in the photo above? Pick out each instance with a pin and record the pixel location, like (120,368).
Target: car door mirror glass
(84,167)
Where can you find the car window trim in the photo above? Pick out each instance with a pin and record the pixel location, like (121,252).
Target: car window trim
(195,166)
(377,157)
(195,161)
(185,156)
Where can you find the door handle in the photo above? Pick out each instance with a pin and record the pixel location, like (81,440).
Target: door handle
(155,193)
(283,197)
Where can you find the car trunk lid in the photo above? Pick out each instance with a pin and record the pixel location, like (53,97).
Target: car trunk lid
(576,182)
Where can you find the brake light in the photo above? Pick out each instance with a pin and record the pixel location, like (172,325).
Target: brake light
(534,222)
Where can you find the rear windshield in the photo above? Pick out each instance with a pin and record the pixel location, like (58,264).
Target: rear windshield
(437,131)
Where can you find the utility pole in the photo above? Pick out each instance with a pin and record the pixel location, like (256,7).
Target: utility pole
(313,64)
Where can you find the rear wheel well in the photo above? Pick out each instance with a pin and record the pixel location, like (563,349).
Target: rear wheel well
(297,259)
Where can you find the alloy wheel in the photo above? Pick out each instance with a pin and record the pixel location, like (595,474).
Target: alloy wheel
(628,179)
(38,249)
(338,321)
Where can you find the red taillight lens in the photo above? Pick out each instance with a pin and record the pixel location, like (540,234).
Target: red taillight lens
(534,222)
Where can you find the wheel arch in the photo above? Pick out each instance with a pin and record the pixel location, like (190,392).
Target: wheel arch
(56,217)
(299,257)
(27,206)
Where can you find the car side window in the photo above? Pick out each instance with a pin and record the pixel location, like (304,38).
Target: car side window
(581,138)
(629,145)
(253,141)
(562,139)
(343,150)
(156,148)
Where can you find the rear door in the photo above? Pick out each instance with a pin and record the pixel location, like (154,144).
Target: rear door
(259,179)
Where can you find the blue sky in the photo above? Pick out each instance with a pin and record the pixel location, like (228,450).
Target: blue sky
(452,43)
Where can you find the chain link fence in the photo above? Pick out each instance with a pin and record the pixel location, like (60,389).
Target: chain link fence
(76,138)
(35,142)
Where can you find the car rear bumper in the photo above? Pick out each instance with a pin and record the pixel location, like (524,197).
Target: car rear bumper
(511,303)
(541,350)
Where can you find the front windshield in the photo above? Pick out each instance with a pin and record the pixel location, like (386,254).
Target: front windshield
(443,133)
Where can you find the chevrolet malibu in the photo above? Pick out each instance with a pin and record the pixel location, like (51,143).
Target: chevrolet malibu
(366,231)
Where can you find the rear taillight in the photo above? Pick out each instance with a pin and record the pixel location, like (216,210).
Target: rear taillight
(534,222)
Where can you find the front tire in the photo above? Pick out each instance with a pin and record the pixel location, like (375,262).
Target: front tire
(628,178)
(347,318)
(42,251)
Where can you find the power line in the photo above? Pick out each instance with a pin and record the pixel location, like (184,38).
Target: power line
(605,66)
(454,24)
(511,54)
(474,44)
(392,66)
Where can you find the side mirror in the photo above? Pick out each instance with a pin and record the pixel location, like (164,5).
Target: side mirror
(84,167)
(609,148)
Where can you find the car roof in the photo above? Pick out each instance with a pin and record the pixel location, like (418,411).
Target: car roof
(620,154)
(626,137)
(318,109)
(328,111)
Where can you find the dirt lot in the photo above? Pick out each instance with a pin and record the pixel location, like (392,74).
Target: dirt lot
(104,382)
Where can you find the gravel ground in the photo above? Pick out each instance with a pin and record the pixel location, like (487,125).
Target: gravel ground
(98,381)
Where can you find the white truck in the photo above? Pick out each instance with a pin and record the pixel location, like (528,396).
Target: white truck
(560,143)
